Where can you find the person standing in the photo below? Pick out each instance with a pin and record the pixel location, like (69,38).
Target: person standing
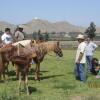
(90,48)
(40,36)
(80,59)
(19,34)
(7,37)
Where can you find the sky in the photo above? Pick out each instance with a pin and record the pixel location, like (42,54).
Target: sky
(77,12)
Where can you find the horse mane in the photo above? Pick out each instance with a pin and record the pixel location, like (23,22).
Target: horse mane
(46,46)
(50,45)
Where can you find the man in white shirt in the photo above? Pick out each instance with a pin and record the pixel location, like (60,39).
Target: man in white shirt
(80,59)
(7,37)
(90,48)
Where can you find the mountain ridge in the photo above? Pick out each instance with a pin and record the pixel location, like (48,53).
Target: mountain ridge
(45,26)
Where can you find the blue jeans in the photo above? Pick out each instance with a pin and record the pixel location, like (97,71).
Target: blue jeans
(89,62)
(80,71)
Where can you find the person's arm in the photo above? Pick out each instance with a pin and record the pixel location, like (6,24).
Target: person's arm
(80,57)
(16,36)
(94,46)
(3,39)
(83,47)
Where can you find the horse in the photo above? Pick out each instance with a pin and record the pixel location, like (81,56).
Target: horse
(22,64)
(24,43)
(22,58)
(5,54)
(41,50)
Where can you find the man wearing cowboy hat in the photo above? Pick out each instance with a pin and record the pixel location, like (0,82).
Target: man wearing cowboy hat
(80,58)
(19,35)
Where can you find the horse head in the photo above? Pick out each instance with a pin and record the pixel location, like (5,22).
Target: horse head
(58,50)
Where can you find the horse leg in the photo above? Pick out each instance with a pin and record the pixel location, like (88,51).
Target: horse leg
(19,87)
(4,76)
(39,71)
(17,72)
(36,72)
(12,63)
(26,82)
(4,73)
(7,67)
(37,77)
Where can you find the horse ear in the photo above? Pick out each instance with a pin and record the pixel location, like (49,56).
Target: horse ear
(32,41)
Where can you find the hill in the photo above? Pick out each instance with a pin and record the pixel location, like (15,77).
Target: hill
(44,25)
(4,25)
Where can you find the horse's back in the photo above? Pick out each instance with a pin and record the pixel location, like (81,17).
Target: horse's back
(23,42)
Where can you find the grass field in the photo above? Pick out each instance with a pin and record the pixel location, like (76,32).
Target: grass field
(58,82)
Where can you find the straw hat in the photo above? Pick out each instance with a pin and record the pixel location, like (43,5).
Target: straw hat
(80,36)
(20,26)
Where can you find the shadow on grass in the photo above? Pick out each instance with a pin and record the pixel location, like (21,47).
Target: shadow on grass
(45,77)
(52,76)
(11,73)
(13,79)
(2,81)
(65,86)
(32,89)
(31,78)
(32,72)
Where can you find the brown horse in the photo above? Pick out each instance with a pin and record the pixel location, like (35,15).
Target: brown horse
(22,64)
(41,50)
(22,57)
(5,54)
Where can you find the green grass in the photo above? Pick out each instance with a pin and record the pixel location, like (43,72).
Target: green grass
(58,82)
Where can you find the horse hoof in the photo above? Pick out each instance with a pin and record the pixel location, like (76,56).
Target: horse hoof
(36,78)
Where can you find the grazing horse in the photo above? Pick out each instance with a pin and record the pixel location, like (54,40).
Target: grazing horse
(41,50)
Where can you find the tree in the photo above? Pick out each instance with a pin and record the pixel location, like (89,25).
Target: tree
(90,31)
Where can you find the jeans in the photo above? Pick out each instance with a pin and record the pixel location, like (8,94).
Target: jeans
(80,71)
(89,63)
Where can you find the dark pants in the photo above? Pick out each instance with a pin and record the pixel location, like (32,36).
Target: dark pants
(80,72)
(89,63)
